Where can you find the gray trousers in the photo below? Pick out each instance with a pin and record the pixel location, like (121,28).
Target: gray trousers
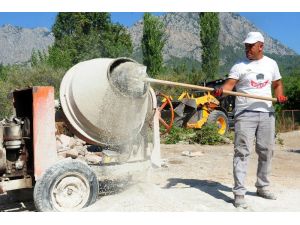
(248,125)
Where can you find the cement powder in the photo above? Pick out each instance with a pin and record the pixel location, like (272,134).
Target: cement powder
(128,78)
(124,107)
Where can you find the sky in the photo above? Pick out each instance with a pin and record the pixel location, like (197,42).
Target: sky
(283,26)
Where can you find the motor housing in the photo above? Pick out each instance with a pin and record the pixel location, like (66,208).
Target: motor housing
(13,151)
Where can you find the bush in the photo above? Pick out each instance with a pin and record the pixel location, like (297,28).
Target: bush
(21,77)
(178,134)
(207,135)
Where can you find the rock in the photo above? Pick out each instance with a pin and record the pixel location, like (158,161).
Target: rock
(81,150)
(227,140)
(63,140)
(13,47)
(183,142)
(92,158)
(73,153)
(61,155)
(191,154)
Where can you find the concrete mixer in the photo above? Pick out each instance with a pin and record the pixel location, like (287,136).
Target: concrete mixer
(104,126)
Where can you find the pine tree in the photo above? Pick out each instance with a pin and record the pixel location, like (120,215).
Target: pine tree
(34,58)
(209,37)
(153,42)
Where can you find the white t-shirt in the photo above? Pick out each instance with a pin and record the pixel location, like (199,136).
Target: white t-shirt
(255,77)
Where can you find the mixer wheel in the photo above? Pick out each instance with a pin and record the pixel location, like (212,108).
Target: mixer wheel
(68,185)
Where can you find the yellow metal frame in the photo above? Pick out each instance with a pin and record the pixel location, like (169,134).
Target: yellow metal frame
(207,103)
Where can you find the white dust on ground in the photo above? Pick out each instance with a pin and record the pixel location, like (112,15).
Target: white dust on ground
(204,183)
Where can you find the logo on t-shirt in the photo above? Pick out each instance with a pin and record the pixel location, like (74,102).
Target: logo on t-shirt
(260,81)
(260,77)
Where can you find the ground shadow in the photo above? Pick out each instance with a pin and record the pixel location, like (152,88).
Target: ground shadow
(110,187)
(17,201)
(208,186)
(294,150)
(251,193)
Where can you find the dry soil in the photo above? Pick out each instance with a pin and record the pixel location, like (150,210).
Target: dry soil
(201,183)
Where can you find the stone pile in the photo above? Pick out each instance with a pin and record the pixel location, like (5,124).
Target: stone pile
(77,149)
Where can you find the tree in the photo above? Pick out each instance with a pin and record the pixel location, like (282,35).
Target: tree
(82,36)
(38,58)
(117,42)
(3,72)
(209,37)
(34,58)
(77,24)
(292,90)
(153,42)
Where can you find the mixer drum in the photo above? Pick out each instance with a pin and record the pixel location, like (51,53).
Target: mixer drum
(105,100)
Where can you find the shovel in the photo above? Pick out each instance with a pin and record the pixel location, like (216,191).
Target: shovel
(202,88)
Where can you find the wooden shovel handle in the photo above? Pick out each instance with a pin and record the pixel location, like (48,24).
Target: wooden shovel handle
(202,88)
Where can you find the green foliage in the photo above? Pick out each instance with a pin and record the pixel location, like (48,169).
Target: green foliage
(21,77)
(230,56)
(153,42)
(116,42)
(38,57)
(83,36)
(77,24)
(207,135)
(189,69)
(60,56)
(209,37)
(288,64)
(5,104)
(178,134)
(3,72)
(292,90)
(34,58)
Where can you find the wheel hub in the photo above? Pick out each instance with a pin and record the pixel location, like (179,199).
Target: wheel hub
(70,192)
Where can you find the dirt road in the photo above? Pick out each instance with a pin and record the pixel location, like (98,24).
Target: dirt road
(203,183)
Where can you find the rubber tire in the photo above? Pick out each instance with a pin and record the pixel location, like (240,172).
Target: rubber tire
(43,187)
(214,115)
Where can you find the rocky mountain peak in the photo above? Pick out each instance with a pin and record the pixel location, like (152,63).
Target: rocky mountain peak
(183,35)
(17,43)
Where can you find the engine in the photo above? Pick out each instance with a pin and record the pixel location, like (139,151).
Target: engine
(13,152)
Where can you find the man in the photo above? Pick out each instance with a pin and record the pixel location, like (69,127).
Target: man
(254,119)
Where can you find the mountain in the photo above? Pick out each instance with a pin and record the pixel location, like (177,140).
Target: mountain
(182,32)
(17,44)
(183,37)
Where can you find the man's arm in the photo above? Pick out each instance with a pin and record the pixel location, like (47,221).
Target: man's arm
(278,91)
(228,86)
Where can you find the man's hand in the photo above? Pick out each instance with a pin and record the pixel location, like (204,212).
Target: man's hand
(282,99)
(217,92)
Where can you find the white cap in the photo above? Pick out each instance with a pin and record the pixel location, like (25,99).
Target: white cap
(253,37)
